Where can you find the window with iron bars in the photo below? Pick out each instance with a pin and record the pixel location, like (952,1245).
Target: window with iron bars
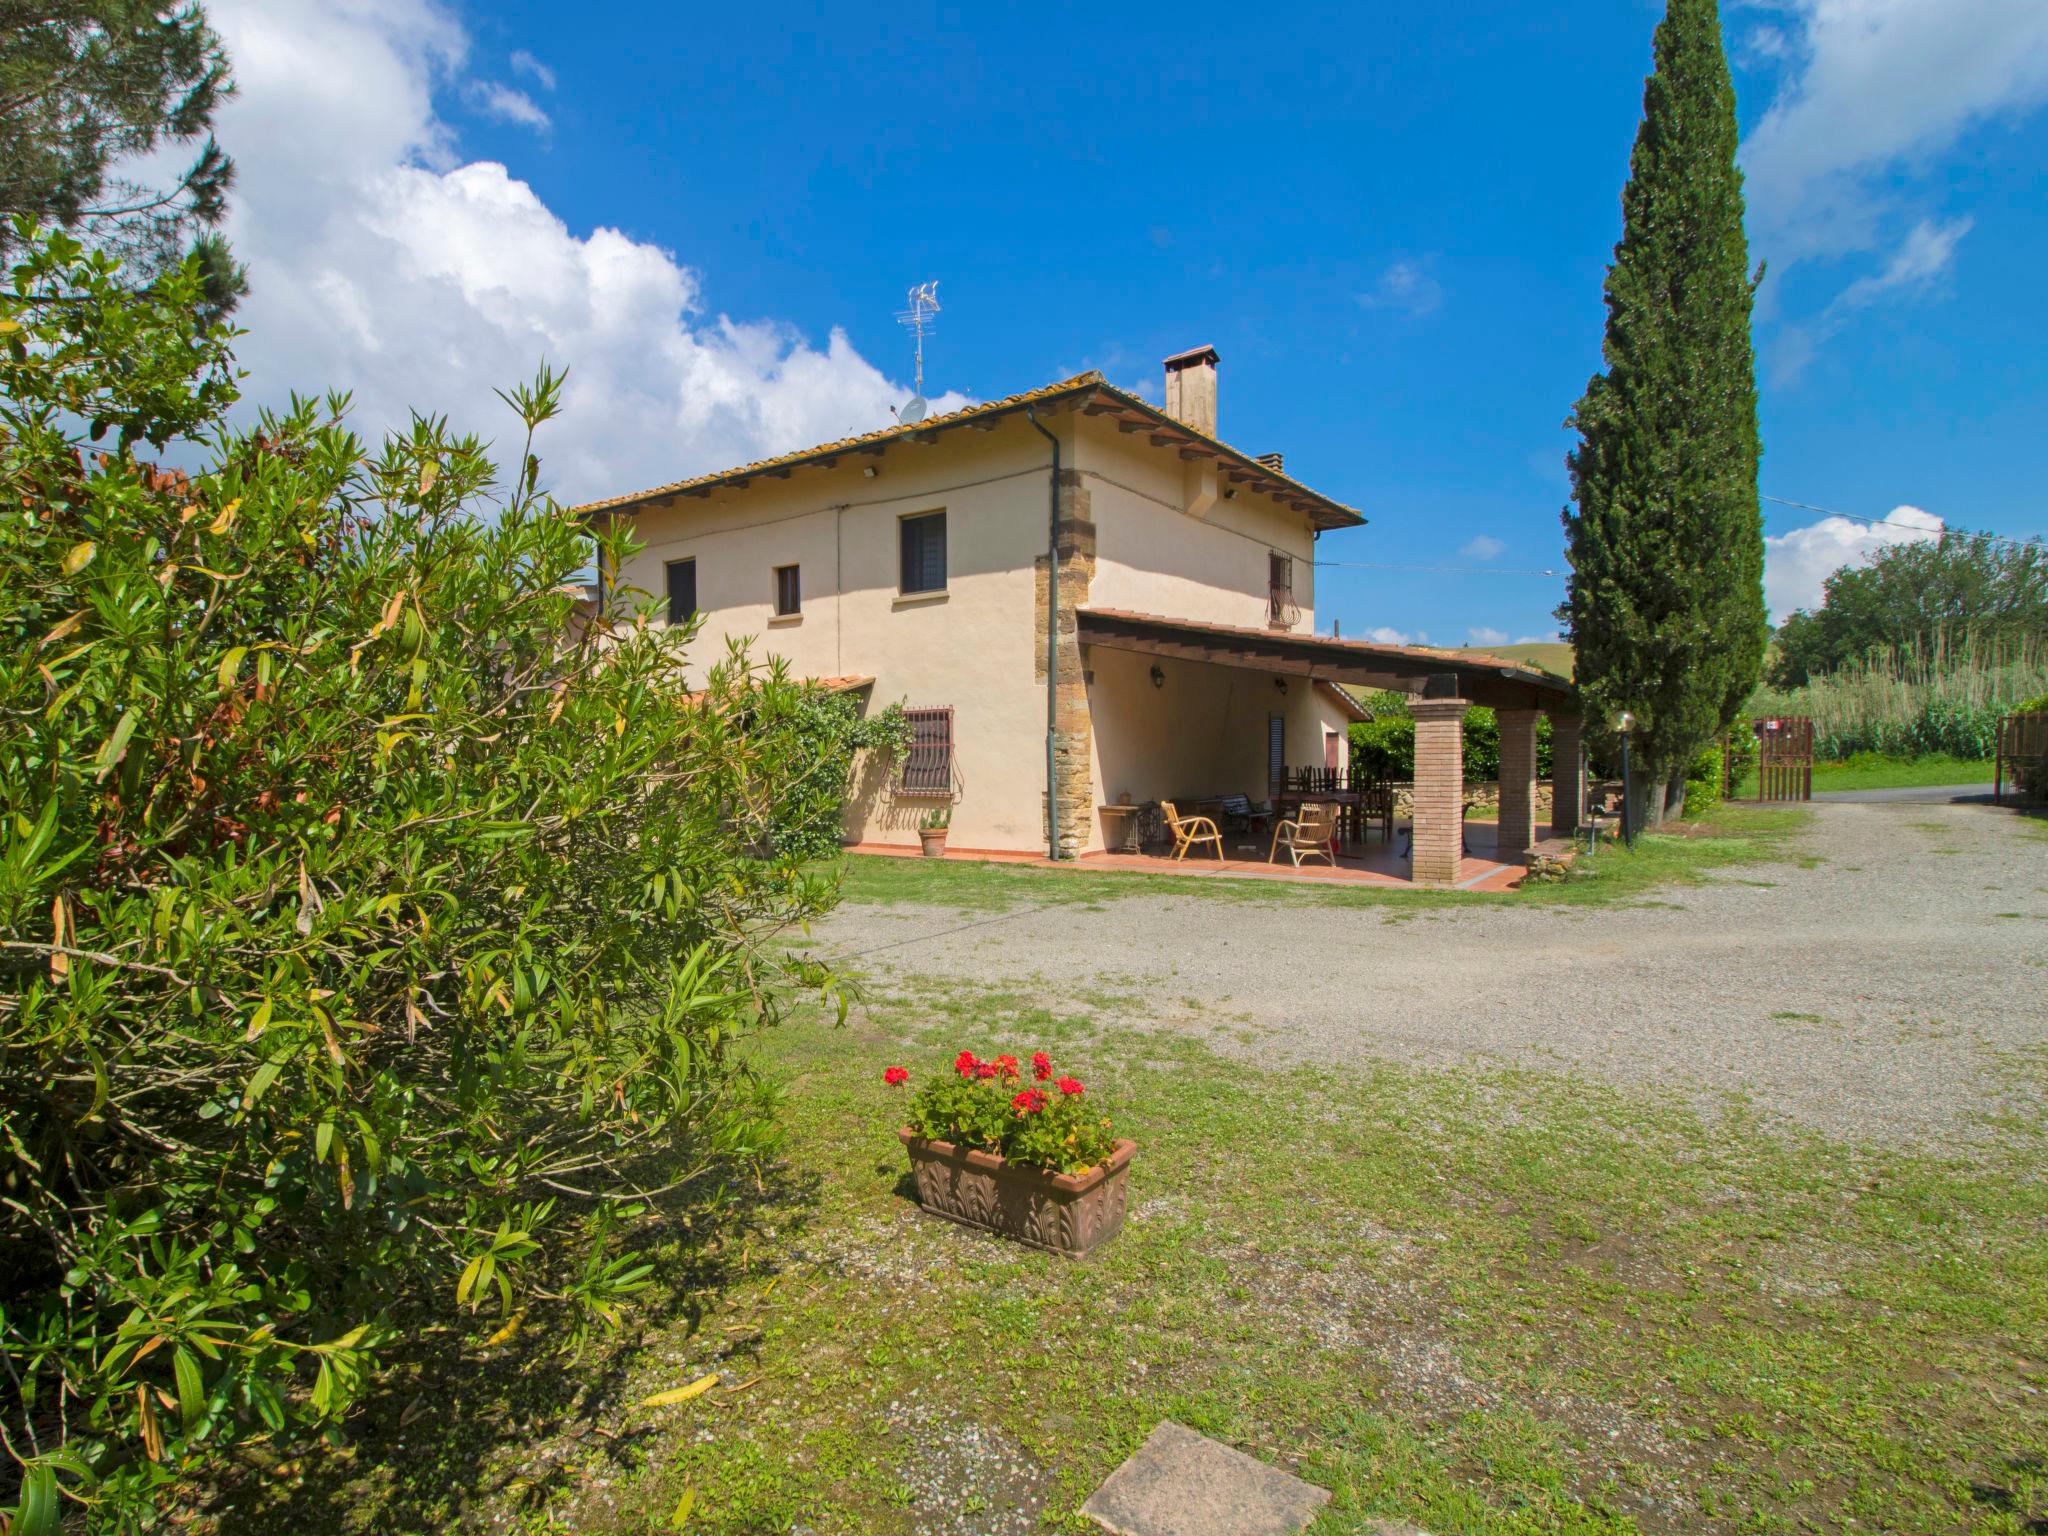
(1280,590)
(928,765)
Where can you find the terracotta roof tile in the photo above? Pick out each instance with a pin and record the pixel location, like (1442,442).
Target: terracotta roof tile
(1090,382)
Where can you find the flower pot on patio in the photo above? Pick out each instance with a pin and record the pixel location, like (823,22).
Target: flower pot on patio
(1067,1213)
(934,840)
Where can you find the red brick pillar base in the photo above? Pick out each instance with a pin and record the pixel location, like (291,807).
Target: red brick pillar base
(1567,775)
(1439,788)
(1517,833)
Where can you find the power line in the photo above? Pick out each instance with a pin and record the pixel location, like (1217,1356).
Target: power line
(1886,522)
(1441,570)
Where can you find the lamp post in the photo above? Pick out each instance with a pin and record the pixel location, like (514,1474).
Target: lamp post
(1624,722)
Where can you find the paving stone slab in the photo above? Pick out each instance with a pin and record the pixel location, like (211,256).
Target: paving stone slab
(1179,1483)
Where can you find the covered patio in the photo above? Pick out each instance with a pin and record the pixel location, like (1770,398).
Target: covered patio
(1181,710)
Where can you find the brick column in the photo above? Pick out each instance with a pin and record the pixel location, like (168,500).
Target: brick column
(1567,775)
(1074,728)
(1517,833)
(1439,788)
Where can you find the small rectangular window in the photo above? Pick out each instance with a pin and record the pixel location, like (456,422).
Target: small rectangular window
(1280,589)
(682,591)
(928,766)
(789,591)
(924,552)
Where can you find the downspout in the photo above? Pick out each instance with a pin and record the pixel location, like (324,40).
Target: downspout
(1052,648)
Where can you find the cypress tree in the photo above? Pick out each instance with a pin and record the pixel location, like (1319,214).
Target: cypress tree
(1665,603)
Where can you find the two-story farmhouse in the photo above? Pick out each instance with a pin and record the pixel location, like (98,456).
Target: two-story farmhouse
(1083,600)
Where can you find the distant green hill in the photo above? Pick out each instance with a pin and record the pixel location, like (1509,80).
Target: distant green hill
(1550,655)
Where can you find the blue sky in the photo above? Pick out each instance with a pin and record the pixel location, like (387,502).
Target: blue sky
(1392,225)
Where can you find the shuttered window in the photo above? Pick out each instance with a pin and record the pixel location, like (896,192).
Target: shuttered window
(928,767)
(924,552)
(682,590)
(1276,751)
(789,592)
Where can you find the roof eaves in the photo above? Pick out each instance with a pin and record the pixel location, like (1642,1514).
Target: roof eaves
(902,432)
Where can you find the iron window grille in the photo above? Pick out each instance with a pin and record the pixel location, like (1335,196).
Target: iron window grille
(928,765)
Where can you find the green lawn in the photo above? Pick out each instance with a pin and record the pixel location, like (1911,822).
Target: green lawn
(1730,835)
(1870,770)
(1495,1301)
(1486,1301)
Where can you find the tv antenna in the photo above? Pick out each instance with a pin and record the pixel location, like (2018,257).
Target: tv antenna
(918,320)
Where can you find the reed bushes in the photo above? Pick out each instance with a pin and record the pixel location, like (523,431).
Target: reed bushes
(1910,701)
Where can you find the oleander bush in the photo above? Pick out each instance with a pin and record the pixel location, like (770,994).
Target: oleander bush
(1049,1123)
(376,936)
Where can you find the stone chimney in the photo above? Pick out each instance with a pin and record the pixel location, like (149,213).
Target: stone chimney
(1191,389)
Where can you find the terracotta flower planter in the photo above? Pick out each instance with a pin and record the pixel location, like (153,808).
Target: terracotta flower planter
(934,843)
(1067,1213)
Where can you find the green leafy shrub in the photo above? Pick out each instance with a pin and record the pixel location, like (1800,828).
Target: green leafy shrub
(375,938)
(1703,780)
(985,1104)
(1384,746)
(819,734)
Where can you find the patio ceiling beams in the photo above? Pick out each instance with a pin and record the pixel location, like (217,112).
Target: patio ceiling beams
(1327,660)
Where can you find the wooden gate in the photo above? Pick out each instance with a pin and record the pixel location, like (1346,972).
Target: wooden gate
(2022,759)
(1784,759)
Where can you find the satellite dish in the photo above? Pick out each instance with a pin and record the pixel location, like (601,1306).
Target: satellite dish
(914,411)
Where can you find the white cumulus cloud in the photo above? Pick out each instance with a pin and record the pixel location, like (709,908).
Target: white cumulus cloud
(1870,93)
(1383,634)
(1874,86)
(1482,547)
(1797,563)
(383,262)
(1481,635)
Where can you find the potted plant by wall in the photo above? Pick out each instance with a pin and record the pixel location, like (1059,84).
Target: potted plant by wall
(1037,1162)
(931,830)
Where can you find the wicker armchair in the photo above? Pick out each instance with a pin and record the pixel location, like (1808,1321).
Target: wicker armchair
(1310,835)
(1190,831)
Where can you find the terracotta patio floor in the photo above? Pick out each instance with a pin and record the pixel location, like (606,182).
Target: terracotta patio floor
(1376,864)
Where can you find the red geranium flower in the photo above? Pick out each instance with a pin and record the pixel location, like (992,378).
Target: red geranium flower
(1041,1065)
(987,1069)
(965,1063)
(1069,1086)
(1029,1102)
(1007,1065)
(894,1075)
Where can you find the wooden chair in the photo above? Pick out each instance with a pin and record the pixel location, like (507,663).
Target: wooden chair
(1190,831)
(1311,834)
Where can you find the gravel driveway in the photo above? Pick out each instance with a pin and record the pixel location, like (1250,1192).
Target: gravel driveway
(1895,990)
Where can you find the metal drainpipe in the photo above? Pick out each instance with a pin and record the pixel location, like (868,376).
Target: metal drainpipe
(1052,649)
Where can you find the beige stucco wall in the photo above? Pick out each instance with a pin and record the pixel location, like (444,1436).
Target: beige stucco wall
(971,649)
(1153,556)
(1202,731)
(977,648)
